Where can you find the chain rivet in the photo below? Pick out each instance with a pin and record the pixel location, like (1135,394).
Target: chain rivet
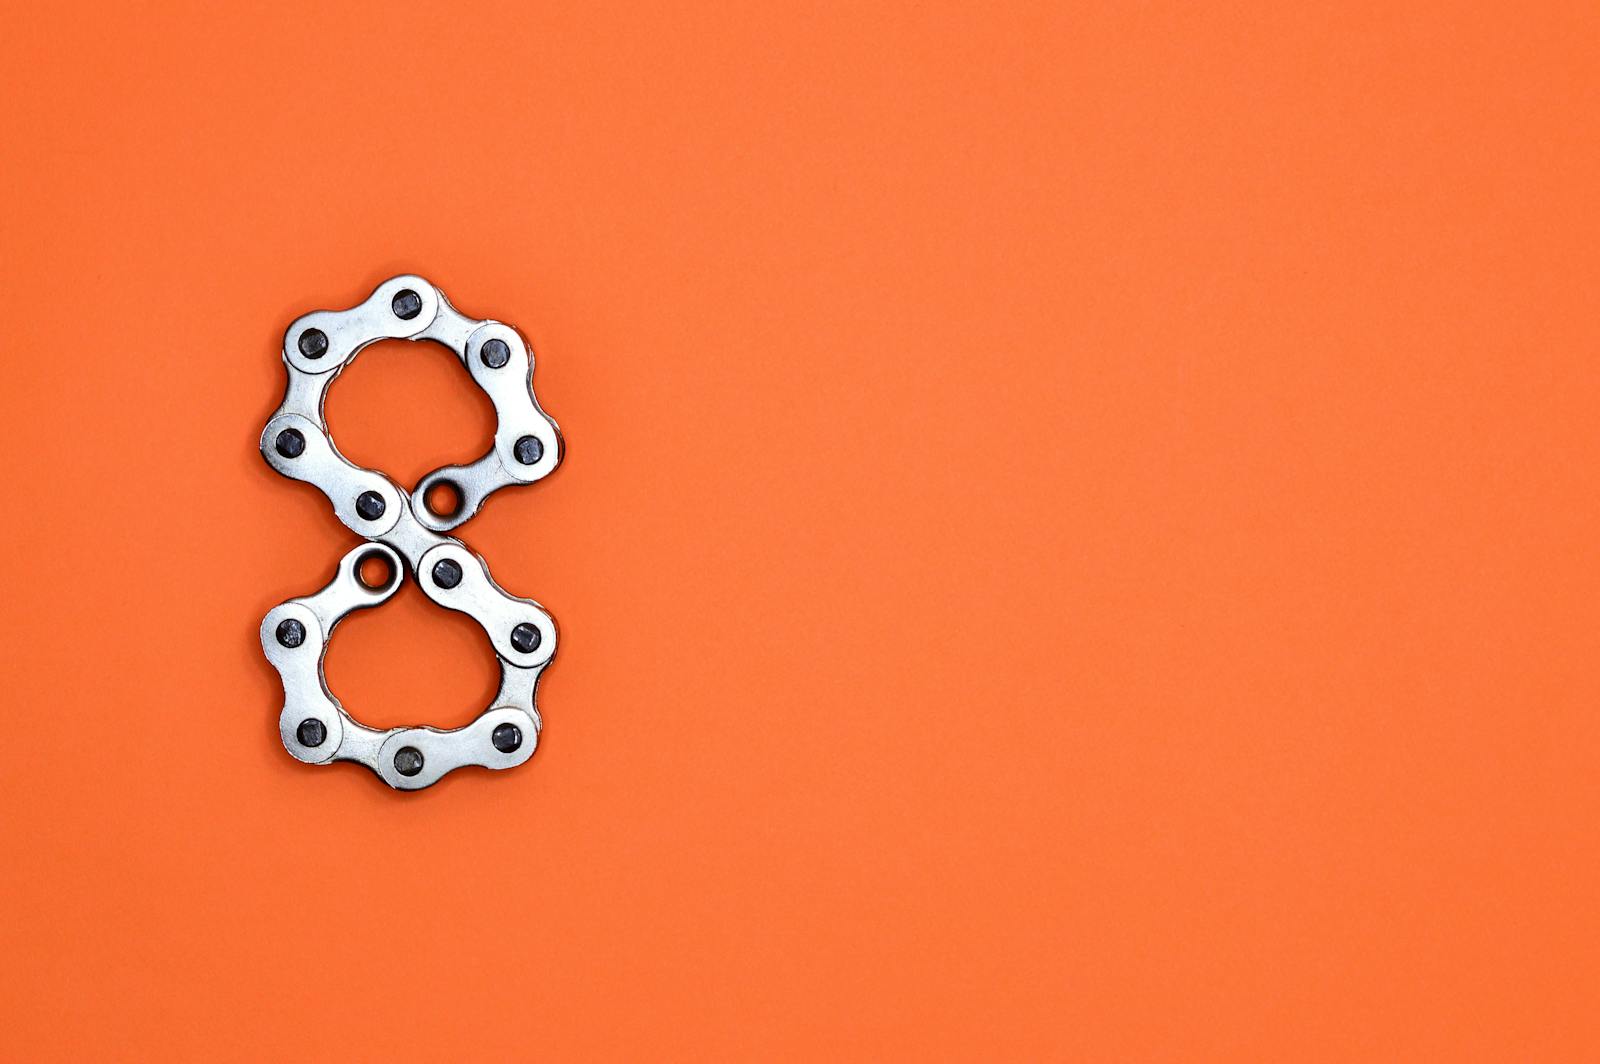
(408,761)
(525,637)
(406,304)
(370,505)
(447,574)
(506,738)
(291,633)
(290,443)
(529,450)
(313,343)
(495,353)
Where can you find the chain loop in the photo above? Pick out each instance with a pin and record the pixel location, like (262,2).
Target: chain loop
(403,533)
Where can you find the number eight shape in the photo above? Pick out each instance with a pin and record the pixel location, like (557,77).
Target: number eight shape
(402,533)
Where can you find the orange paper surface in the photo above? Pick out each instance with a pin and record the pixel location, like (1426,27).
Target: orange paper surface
(1078,537)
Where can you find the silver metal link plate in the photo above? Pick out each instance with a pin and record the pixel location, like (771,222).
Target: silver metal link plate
(403,533)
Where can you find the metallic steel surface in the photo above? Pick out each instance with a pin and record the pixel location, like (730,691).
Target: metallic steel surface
(404,534)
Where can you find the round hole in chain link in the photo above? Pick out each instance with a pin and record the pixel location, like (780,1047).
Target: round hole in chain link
(443,498)
(375,571)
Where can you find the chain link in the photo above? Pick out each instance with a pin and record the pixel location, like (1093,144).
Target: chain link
(403,533)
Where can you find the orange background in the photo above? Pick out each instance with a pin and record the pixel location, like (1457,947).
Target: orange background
(1078,536)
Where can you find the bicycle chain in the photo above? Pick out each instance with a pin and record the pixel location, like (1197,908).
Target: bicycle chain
(402,532)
